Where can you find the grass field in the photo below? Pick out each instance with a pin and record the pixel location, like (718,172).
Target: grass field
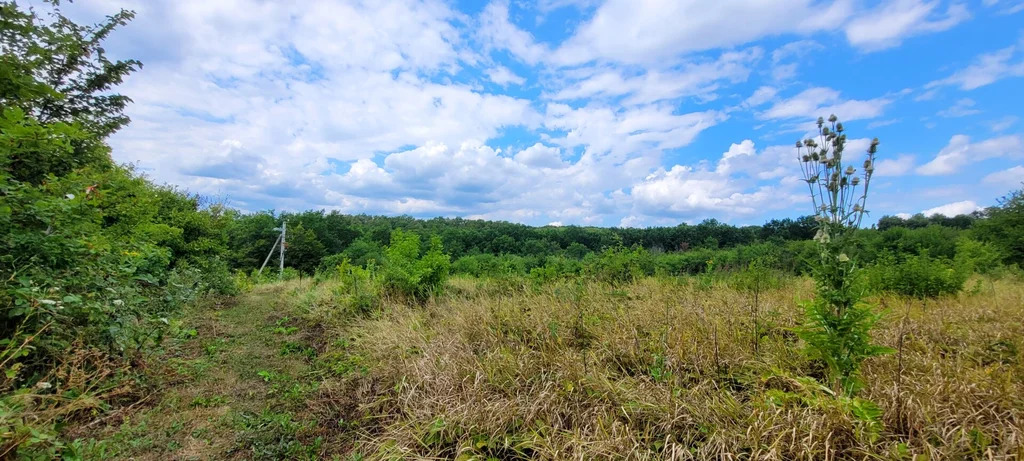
(657,369)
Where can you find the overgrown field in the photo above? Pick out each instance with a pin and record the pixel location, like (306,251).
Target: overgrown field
(659,368)
(667,368)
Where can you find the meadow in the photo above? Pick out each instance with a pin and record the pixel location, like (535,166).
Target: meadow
(656,368)
(136,324)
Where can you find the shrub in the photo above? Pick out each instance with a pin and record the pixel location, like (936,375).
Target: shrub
(409,273)
(555,268)
(975,256)
(619,264)
(920,276)
(357,290)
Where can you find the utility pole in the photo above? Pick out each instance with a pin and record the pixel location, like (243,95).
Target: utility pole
(284,233)
(280,240)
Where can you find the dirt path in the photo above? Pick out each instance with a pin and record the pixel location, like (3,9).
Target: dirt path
(237,379)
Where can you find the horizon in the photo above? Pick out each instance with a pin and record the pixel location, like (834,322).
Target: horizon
(568,112)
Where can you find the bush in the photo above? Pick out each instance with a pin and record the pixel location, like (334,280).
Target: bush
(975,256)
(555,268)
(489,265)
(357,290)
(408,273)
(920,276)
(619,264)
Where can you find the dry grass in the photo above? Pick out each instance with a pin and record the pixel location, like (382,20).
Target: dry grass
(662,370)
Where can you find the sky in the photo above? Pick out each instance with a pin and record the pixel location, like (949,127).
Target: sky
(558,112)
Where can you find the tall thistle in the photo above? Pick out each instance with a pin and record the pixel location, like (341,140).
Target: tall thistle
(838,325)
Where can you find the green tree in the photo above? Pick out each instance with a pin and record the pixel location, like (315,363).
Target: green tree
(1004,227)
(303,250)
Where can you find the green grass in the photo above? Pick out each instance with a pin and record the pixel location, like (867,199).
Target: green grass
(235,386)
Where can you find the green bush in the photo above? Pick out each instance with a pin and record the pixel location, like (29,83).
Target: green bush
(619,264)
(357,291)
(407,272)
(920,276)
(489,265)
(975,256)
(555,268)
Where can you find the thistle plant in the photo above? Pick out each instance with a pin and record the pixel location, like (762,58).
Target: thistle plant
(838,324)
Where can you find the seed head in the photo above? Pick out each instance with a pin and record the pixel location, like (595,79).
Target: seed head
(832,118)
(849,170)
(856,180)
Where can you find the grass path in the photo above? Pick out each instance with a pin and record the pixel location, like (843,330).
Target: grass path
(237,381)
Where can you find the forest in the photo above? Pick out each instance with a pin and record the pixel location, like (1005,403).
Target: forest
(136,323)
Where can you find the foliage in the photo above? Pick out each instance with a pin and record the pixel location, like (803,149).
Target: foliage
(838,323)
(357,290)
(977,256)
(619,264)
(303,250)
(408,272)
(920,276)
(1004,227)
(93,257)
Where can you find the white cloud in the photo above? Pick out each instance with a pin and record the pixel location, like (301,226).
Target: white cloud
(689,79)
(986,69)
(961,108)
(953,209)
(821,102)
(1008,178)
(648,32)
(539,155)
(961,151)
(787,58)
(898,166)
(1004,123)
(893,21)
(499,32)
(1005,7)
(881,123)
(760,96)
(501,75)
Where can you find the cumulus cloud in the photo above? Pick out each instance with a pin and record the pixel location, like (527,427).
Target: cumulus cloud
(502,76)
(953,209)
(498,32)
(616,116)
(961,151)
(898,166)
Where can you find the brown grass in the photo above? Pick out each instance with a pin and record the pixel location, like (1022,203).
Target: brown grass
(662,370)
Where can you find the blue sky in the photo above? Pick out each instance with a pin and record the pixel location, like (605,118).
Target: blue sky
(612,113)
